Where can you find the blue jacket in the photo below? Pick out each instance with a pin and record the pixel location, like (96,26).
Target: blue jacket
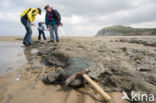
(41,26)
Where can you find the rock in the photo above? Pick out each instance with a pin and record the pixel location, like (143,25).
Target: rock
(124,49)
(145,87)
(79,81)
(138,62)
(144,69)
(76,65)
(147,42)
(56,59)
(42,52)
(151,79)
(52,76)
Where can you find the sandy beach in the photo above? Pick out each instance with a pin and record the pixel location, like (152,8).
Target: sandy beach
(25,85)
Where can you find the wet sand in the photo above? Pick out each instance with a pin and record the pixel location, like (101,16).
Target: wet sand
(22,86)
(31,91)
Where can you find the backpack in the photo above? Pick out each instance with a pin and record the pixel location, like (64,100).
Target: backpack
(57,15)
(25,16)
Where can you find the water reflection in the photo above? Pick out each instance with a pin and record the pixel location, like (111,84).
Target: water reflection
(12,57)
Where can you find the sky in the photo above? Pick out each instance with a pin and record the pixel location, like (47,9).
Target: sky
(80,17)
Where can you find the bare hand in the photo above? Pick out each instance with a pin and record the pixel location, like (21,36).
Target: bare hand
(32,24)
(61,24)
(48,29)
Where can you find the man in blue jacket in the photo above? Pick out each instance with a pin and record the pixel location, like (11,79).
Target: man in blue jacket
(52,20)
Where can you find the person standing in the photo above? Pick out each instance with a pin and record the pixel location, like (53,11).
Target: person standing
(27,18)
(41,29)
(52,20)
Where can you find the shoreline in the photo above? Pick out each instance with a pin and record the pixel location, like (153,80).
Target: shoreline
(20,38)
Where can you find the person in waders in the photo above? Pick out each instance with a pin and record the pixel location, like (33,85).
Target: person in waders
(52,20)
(27,18)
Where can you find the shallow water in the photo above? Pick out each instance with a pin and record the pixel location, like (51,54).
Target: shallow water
(12,57)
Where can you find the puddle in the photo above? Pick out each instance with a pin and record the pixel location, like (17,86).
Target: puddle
(12,57)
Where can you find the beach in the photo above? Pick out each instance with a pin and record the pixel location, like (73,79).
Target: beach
(23,83)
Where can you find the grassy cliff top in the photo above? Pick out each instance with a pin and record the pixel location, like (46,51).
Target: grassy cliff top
(124,30)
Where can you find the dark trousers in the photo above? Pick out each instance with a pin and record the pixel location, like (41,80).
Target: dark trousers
(27,25)
(41,32)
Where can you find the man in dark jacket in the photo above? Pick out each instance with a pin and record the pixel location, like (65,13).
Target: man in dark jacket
(52,20)
(41,29)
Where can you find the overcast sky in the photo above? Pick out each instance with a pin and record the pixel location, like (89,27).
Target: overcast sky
(81,17)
